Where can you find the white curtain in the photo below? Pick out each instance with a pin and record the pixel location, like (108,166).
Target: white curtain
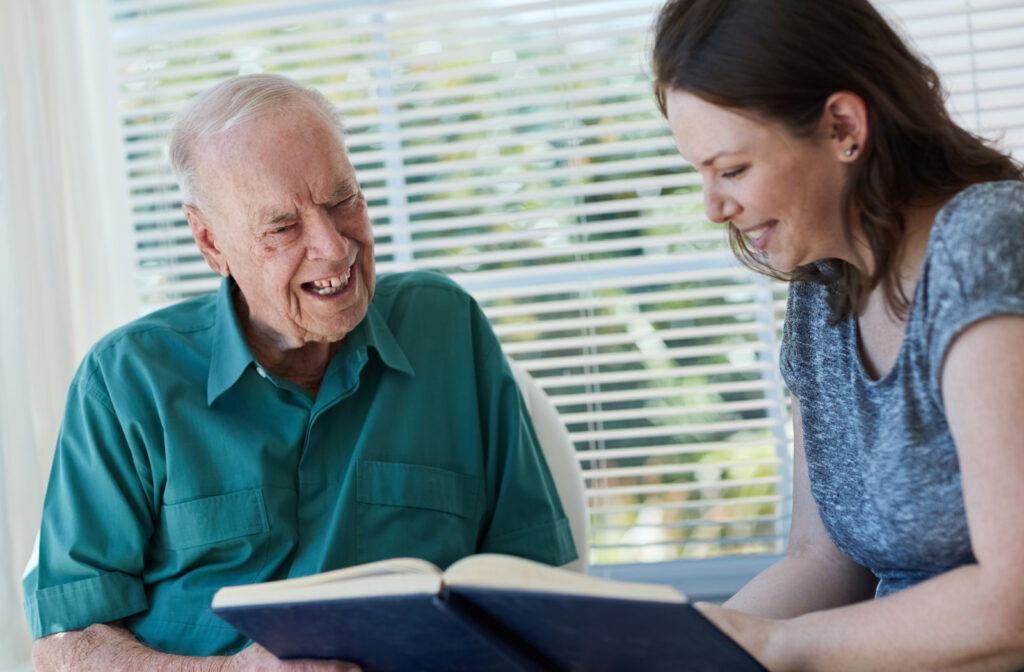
(57,263)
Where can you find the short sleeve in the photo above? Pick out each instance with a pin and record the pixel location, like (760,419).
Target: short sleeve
(95,524)
(525,517)
(804,340)
(786,347)
(976,269)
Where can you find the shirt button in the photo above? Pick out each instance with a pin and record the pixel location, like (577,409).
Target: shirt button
(259,370)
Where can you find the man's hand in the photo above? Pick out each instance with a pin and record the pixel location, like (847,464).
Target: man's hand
(255,658)
(112,648)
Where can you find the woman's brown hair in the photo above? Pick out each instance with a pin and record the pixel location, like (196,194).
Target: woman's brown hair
(781,60)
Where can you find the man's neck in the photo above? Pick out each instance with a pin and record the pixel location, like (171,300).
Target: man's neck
(304,365)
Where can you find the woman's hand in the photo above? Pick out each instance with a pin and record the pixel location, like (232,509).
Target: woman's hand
(758,636)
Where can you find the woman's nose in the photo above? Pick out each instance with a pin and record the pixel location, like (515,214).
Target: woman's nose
(719,207)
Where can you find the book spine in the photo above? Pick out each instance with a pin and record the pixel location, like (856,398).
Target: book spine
(509,645)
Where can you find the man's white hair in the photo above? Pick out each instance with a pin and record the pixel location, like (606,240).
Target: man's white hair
(230,103)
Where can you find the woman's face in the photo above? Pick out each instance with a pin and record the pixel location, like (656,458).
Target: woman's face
(781,192)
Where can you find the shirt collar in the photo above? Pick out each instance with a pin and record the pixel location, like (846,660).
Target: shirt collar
(230,355)
(382,339)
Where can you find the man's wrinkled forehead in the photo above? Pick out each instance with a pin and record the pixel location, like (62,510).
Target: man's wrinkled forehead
(283,146)
(268,215)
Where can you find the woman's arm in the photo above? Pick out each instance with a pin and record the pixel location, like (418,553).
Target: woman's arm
(971,618)
(813,574)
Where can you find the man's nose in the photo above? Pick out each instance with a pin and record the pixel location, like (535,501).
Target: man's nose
(323,239)
(719,207)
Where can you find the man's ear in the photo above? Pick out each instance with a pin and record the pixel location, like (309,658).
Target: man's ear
(203,234)
(845,119)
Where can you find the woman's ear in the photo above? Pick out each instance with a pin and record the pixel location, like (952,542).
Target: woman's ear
(203,234)
(845,119)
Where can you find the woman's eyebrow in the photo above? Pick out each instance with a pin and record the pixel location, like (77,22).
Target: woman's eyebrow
(708,162)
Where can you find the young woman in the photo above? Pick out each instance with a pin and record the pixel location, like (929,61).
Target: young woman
(825,147)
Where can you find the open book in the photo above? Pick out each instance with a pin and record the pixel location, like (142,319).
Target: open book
(487,612)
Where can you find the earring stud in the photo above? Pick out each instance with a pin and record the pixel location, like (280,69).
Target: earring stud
(852,150)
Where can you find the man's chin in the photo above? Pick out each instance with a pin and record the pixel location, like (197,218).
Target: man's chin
(332,332)
(308,337)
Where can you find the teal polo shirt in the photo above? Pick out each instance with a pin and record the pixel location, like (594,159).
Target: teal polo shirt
(183,466)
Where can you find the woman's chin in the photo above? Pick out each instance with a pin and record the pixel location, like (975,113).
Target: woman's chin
(777,262)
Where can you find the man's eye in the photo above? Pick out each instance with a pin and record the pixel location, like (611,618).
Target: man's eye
(734,173)
(283,229)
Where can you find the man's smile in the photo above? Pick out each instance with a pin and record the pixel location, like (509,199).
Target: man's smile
(330,285)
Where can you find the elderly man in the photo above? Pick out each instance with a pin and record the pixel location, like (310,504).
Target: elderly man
(308,416)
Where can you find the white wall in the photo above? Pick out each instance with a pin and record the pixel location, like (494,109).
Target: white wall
(60,267)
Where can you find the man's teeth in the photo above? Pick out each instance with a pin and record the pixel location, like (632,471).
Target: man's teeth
(329,286)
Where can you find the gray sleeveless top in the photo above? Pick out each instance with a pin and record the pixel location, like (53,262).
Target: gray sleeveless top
(883,466)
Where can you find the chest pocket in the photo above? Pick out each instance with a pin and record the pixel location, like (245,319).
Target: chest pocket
(199,546)
(223,536)
(415,510)
(210,520)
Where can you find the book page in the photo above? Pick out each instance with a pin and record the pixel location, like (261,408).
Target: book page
(511,573)
(398,576)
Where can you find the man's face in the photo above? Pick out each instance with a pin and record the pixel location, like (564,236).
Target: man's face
(287,220)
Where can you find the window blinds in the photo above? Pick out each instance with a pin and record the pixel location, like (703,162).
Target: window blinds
(514,145)
(977,46)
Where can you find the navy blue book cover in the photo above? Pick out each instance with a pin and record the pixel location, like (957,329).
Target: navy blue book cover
(599,634)
(382,634)
(486,629)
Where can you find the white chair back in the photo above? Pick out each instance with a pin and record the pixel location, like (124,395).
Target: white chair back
(560,455)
